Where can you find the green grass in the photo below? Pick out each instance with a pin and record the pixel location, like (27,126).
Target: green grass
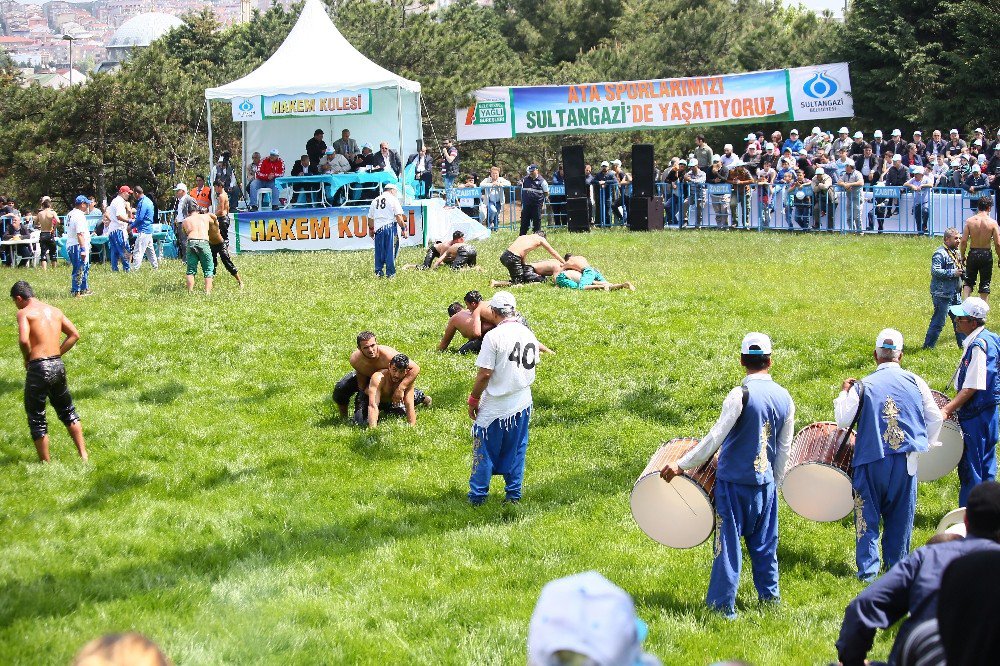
(228,514)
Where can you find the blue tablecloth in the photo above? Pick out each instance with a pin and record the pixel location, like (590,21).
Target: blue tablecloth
(334,182)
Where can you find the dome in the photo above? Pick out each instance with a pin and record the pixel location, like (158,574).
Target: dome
(141,30)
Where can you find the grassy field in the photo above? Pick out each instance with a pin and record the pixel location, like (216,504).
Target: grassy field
(228,514)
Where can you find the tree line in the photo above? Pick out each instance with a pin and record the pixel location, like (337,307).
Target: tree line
(914,63)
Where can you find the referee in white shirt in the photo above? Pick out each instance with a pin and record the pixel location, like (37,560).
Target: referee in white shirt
(500,402)
(386,213)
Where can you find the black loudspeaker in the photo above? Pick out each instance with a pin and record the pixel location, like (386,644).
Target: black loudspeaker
(645,213)
(572,159)
(642,170)
(578,213)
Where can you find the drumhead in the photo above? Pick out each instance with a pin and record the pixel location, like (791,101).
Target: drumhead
(819,492)
(942,460)
(660,511)
(952,523)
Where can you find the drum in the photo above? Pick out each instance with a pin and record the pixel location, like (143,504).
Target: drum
(941,460)
(678,514)
(952,523)
(817,485)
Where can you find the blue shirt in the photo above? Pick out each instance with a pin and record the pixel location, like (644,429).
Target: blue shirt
(143,215)
(911,586)
(795,145)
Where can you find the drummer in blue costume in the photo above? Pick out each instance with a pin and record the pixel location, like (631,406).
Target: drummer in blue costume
(754,433)
(897,419)
(978,386)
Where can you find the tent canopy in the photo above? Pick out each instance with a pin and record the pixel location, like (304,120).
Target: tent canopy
(314,58)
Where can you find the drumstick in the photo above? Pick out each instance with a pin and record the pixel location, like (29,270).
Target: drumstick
(682,498)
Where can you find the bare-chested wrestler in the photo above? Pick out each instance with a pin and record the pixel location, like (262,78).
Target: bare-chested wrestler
(545,268)
(577,273)
(513,258)
(40,326)
(980,236)
(367,359)
(463,320)
(383,388)
(199,251)
(458,254)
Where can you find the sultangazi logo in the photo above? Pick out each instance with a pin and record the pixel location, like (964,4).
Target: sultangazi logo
(821,86)
(246,106)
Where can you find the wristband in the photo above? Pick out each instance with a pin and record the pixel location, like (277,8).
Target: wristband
(473,402)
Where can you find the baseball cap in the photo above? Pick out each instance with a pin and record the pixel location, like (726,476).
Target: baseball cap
(917,133)
(849,164)
(897,158)
(816,130)
(274,151)
(716,158)
(889,338)
(329,151)
(954,131)
(820,169)
(858,135)
(588,615)
(503,300)
(728,146)
(843,130)
(531,167)
(916,169)
(979,130)
(692,162)
(221,160)
(976,167)
(794,131)
(973,306)
(737,162)
(751,137)
(768,146)
(124,189)
(896,132)
(878,134)
(180,186)
(46,199)
(616,162)
(605,163)
(977,142)
(80,199)
(759,340)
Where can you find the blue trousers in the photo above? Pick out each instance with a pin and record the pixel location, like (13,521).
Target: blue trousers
(385,251)
(940,316)
(499,449)
(750,512)
(81,267)
(883,493)
(118,249)
(979,459)
(921,217)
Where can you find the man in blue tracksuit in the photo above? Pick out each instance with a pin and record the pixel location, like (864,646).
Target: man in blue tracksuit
(386,213)
(946,285)
(533,192)
(978,386)
(896,420)
(753,436)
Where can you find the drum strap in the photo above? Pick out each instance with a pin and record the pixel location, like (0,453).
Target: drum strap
(746,396)
(857,417)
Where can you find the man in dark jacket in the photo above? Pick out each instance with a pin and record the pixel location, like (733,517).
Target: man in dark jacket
(315,149)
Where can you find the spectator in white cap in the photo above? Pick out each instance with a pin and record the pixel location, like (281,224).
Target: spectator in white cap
(694,184)
(792,142)
(974,184)
(956,145)
(897,420)
(879,145)
(843,140)
(752,435)
(857,146)
(978,384)
(920,184)
(586,619)
(500,402)
(727,155)
(897,146)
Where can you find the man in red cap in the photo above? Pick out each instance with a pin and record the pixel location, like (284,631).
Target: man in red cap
(118,213)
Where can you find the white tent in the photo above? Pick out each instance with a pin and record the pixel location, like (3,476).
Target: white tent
(315,59)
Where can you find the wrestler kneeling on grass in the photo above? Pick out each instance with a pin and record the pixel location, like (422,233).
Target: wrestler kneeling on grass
(458,254)
(381,396)
(366,360)
(468,322)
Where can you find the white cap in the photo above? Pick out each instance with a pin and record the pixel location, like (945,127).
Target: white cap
(897,158)
(917,133)
(956,162)
(737,162)
(616,162)
(859,135)
(954,131)
(759,340)
(180,186)
(751,137)
(768,146)
(878,134)
(390,186)
(728,146)
(716,158)
(605,163)
(889,338)
(816,130)
(588,615)
(973,306)
(502,300)
(274,151)
(692,162)
(982,159)
(916,169)
(976,167)
(980,130)
(221,160)
(977,142)
(793,131)
(820,169)
(842,130)
(896,132)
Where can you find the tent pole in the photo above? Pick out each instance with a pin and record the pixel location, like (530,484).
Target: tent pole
(399,119)
(211,156)
(243,164)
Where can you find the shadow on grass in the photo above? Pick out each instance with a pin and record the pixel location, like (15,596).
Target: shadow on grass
(96,390)
(10,386)
(163,395)
(105,486)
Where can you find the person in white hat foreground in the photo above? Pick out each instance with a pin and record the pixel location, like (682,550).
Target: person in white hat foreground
(979,236)
(586,619)
(753,436)
(896,418)
(386,214)
(500,402)
(978,384)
